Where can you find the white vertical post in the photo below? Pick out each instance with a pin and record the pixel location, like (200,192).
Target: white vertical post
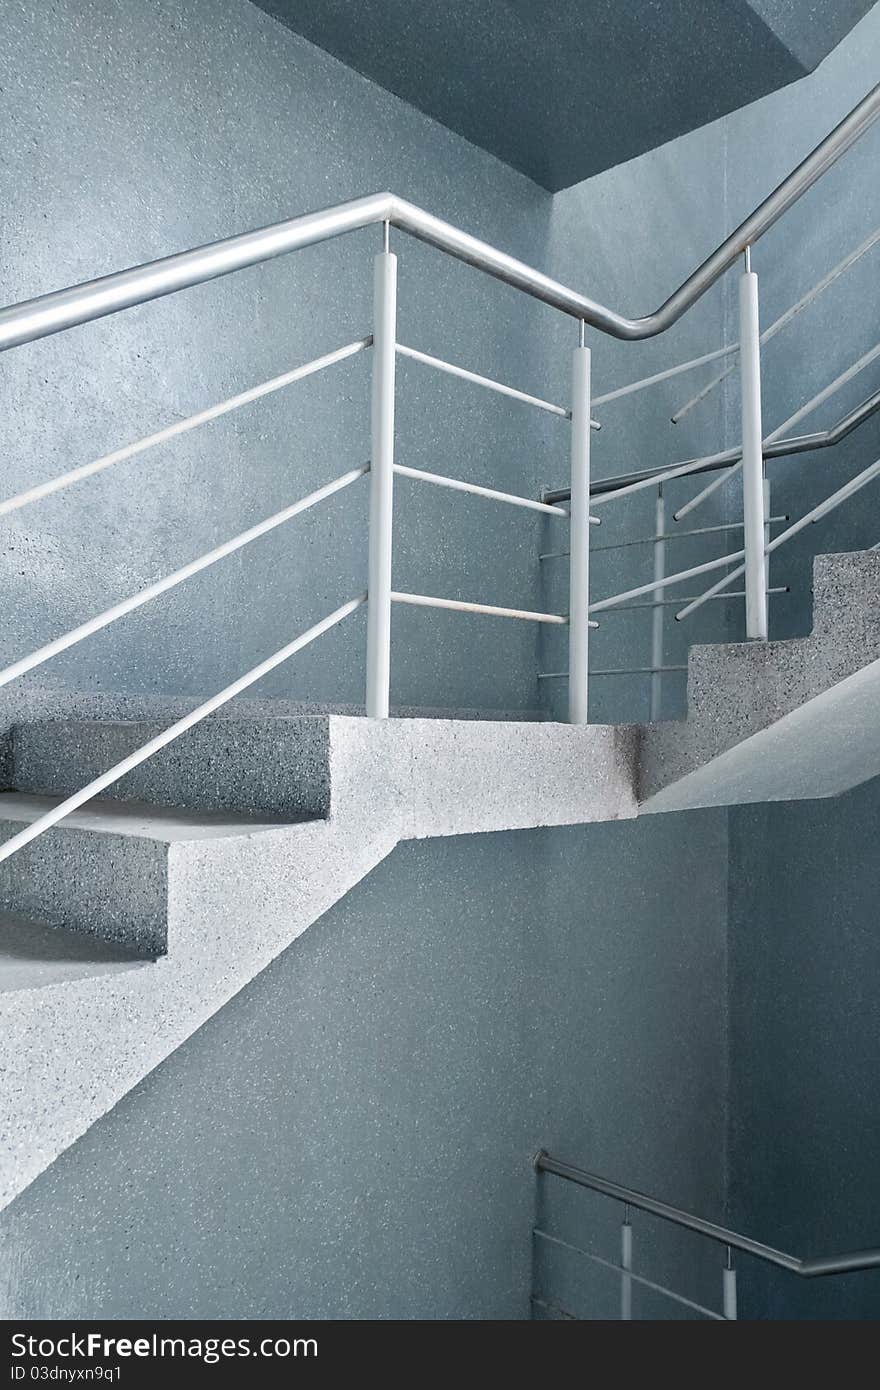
(729,1289)
(579,548)
(657,615)
(381,486)
(626,1264)
(752,455)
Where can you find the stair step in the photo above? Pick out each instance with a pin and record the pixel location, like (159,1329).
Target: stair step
(104,870)
(275,767)
(36,956)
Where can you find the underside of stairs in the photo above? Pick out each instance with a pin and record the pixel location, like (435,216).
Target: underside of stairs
(128,925)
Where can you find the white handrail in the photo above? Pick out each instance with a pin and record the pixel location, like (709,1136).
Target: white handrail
(646,381)
(160,741)
(706,568)
(490,384)
(192,422)
(815,514)
(490,610)
(170,581)
(491,493)
(780,323)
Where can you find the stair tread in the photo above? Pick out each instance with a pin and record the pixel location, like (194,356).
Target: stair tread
(34,955)
(141,819)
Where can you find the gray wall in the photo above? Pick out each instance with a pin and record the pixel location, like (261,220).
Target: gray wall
(805,1045)
(132,131)
(352,1135)
(383,1085)
(805,960)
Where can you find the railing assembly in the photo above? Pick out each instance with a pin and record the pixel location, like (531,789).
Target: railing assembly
(56,312)
(730,1240)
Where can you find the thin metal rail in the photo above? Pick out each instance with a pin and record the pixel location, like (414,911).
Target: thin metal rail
(493,495)
(815,514)
(827,1264)
(490,384)
(489,609)
(802,411)
(636,1278)
(192,422)
(645,381)
(613,671)
(63,309)
(673,602)
(673,536)
(160,741)
(786,318)
(625,483)
(170,581)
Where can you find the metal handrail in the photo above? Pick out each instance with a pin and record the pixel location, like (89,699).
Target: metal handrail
(782,448)
(55,312)
(843,379)
(807,1269)
(731,349)
(784,319)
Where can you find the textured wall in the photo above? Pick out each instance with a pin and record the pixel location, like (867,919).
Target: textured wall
(132,131)
(805,1045)
(804,954)
(352,1135)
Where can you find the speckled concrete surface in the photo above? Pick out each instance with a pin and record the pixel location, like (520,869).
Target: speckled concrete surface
(274,767)
(737,691)
(224,897)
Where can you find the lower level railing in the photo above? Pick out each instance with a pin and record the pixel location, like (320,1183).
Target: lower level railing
(631,1200)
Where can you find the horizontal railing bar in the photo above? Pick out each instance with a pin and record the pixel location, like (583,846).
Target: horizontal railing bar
(664,376)
(52,313)
(487,381)
(459,606)
(614,671)
(807,409)
(202,417)
(160,741)
(672,602)
(456,485)
(551,1307)
(678,535)
(620,1272)
(790,313)
(815,514)
(624,483)
(170,581)
(831,1264)
(668,579)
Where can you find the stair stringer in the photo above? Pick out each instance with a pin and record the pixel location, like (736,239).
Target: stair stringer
(72,1050)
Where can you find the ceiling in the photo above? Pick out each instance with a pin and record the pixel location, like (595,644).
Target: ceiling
(562,89)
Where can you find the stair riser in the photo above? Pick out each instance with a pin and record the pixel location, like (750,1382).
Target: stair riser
(275,768)
(114,887)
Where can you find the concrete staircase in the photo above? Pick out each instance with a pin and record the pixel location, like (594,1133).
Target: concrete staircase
(133,921)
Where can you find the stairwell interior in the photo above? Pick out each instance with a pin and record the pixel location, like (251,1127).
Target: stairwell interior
(500,955)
